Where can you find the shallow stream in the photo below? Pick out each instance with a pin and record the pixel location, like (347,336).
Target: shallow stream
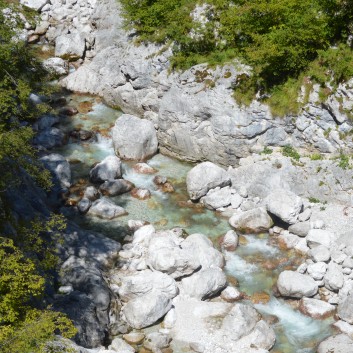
(255,264)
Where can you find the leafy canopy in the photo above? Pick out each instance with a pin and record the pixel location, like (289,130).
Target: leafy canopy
(280,39)
(27,255)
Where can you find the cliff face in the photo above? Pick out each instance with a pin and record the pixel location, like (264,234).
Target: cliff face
(194,111)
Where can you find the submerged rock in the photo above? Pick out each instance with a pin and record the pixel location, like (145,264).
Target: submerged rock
(204,177)
(141,194)
(134,138)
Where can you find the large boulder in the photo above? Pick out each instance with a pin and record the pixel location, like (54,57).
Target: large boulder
(70,46)
(336,344)
(253,221)
(146,310)
(59,168)
(106,209)
(147,281)
(45,122)
(167,256)
(204,177)
(284,204)
(204,284)
(296,285)
(203,250)
(108,169)
(134,138)
(49,138)
(217,198)
(241,320)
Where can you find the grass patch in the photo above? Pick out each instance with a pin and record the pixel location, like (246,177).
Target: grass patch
(289,151)
(314,200)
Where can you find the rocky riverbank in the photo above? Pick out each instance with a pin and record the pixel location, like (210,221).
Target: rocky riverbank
(165,277)
(194,112)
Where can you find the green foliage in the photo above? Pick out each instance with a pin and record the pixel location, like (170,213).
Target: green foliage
(343,161)
(20,74)
(27,256)
(25,262)
(280,39)
(314,200)
(291,152)
(267,150)
(316,157)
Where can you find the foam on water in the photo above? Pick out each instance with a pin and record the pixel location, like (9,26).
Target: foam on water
(295,332)
(295,326)
(256,244)
(238,267)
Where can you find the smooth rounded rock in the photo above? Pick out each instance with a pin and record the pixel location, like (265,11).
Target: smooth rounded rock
(134,138)
(284,204)
(108,169)
(106,209)
(296,285)
(204,177)
(230,241)
(317,309)
(254,221)
(318,237)
(204,284)
(146,310)
(336,344)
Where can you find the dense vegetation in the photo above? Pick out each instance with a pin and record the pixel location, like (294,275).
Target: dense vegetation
(27,255)
(285,41)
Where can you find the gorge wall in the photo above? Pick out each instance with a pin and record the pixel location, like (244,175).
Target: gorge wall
(194,111)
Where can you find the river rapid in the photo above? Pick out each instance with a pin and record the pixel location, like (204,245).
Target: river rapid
(254,265)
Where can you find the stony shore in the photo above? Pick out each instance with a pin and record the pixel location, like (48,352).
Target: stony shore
(305,203)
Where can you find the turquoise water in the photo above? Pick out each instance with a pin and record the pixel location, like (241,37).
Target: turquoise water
(255,264)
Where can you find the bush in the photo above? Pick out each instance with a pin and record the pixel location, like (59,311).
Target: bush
(280,39)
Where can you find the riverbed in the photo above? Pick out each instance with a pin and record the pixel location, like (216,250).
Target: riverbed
(255,264)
